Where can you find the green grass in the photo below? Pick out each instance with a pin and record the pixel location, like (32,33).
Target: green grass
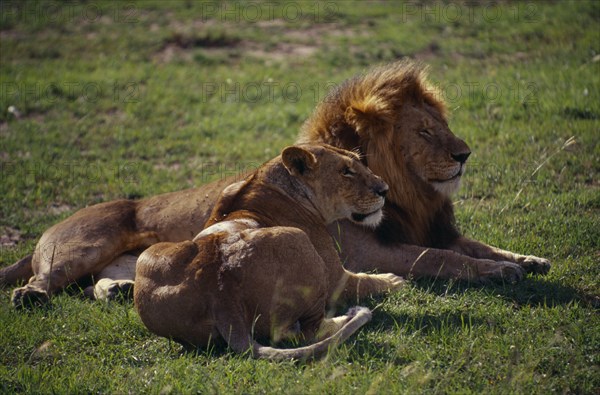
(133,99)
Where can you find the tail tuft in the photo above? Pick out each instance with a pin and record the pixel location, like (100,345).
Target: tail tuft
(357,317)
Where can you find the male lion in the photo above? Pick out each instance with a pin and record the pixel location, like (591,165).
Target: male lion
(266,262)
(397,122)
(392,117)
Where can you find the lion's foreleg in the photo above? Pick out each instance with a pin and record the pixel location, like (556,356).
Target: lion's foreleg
(479,250)
(361,251)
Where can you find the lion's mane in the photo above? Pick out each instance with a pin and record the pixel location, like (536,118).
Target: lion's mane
(361,115)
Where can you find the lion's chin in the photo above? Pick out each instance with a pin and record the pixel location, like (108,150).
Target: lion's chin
(370,220)
(447,188)
(451,185)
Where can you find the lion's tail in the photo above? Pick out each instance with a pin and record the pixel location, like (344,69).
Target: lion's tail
(16,273)
(359,316)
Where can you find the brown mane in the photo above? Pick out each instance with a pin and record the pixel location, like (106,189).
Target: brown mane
(360,115)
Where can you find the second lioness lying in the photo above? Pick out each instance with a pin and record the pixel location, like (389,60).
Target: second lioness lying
(265,266)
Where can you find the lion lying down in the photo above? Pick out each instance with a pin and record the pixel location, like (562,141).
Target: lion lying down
(391,115)
(265,262)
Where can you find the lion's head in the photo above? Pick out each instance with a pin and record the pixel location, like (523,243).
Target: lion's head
(397,121)
(338,184)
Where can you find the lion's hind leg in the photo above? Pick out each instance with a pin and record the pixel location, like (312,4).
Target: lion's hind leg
(66,265)
(80,246)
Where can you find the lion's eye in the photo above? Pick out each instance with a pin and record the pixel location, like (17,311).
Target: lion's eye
(348,172)
(426,133)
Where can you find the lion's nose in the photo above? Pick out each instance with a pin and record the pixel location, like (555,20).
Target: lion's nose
(462,157)
(381,189)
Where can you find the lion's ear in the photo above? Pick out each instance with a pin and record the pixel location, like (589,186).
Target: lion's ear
(298,161)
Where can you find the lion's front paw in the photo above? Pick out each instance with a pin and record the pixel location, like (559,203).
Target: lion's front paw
(535,265)
(28,297)
(503,271)
(391,281)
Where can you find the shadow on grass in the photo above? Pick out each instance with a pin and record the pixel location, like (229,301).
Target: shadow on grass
(533,291)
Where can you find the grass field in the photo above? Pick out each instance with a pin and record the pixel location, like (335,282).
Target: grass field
(105,100)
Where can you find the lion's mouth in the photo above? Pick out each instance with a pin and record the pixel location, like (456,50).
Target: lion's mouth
(458,174)
(359,217)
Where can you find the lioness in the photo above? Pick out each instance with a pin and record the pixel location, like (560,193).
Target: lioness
(265,260)
(392,117)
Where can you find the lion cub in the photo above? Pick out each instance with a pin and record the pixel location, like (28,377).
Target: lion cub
(265,265)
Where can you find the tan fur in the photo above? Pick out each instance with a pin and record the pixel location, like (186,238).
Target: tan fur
(265,262)
(382,114)
(95,237)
